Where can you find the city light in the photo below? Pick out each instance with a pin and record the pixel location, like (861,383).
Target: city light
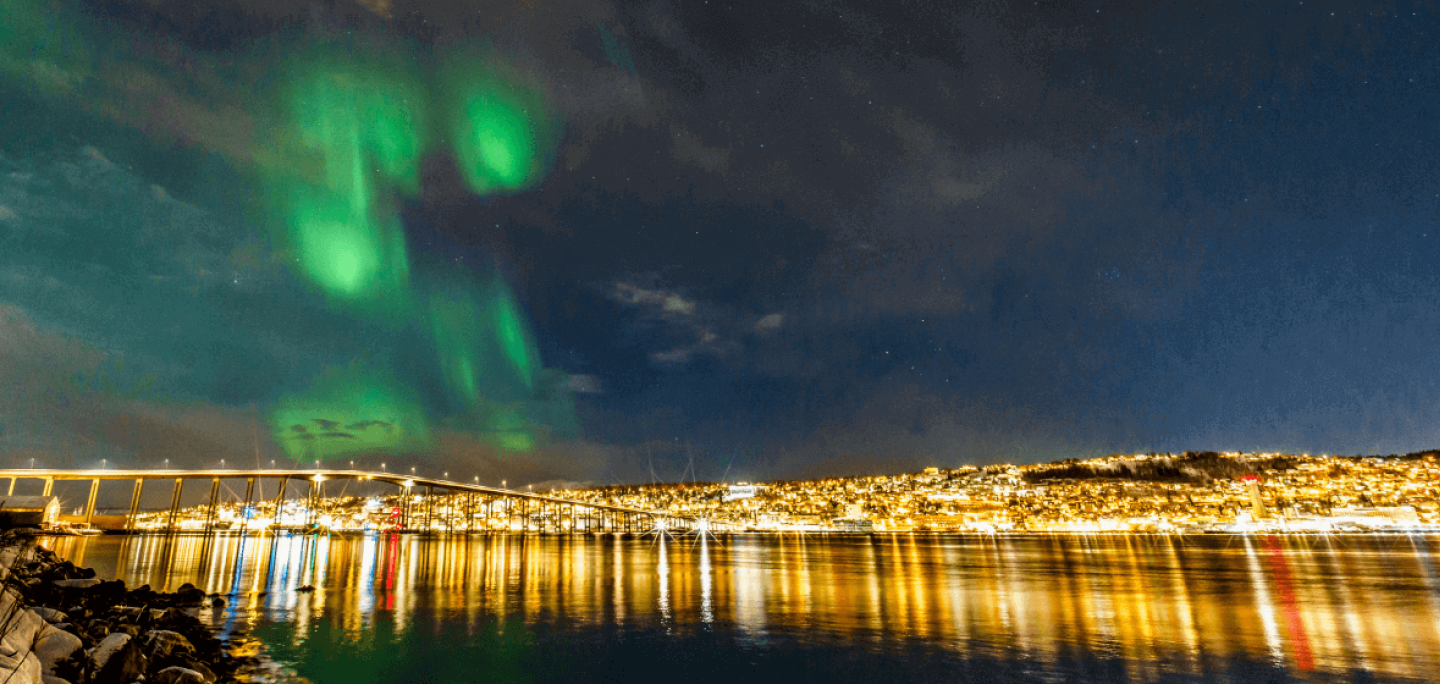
(1124,494)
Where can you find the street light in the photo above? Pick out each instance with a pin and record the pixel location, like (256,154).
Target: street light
(272,463)
(222,464)
(102,464)
(352,465)
(32,463)
(167,464)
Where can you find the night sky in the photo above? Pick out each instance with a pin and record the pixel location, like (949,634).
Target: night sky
(721,240)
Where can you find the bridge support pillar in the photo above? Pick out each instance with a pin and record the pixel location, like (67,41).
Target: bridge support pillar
(429,508)
(12,487)
(175,503)
(134,504)
(249,494)
(405,505)
(280,499)
(90,502)
(49,486)
(310,516)
(213,511)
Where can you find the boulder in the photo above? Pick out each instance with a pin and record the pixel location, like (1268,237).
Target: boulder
(51,615)
(52,679)
(21,631)
(163,643)
(177,675)
(188,595)
(57,650)
(76,583)
(107,648)
(203,669)
(117,660)
(15,669)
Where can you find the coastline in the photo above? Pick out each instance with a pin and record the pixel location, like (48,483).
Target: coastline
(60,624)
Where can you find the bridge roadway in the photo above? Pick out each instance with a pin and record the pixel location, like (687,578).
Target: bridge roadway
(632,518)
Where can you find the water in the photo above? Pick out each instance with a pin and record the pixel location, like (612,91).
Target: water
(833,609)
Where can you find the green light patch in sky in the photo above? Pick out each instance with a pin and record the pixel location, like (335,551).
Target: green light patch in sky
(364,121)
(349,411)
(501,131)
(364,118)
(484,345)
(343,248)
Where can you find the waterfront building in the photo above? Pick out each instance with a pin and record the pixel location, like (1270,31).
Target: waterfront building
(29,511)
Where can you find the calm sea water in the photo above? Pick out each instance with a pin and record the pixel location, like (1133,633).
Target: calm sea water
(833,609)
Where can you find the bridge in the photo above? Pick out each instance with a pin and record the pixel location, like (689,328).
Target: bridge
(537,512)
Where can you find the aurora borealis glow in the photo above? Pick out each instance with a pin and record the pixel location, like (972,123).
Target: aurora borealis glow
(367,121)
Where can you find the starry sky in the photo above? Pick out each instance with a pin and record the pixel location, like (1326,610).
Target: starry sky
(732,240)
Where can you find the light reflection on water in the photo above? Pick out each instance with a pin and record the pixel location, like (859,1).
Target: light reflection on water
(1307,606)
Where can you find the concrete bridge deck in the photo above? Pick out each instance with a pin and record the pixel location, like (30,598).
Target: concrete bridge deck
(314,479)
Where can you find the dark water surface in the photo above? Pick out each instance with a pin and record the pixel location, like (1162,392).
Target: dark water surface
(833,609)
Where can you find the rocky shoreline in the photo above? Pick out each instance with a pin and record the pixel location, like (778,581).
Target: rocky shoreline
(61,625)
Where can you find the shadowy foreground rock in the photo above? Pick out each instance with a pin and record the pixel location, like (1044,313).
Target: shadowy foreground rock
(61,625)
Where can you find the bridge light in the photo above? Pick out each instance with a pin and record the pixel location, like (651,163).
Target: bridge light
(167,463)
(319,478)
(382,466)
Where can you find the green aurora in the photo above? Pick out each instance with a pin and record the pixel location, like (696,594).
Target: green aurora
(366,120)
(333,137)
